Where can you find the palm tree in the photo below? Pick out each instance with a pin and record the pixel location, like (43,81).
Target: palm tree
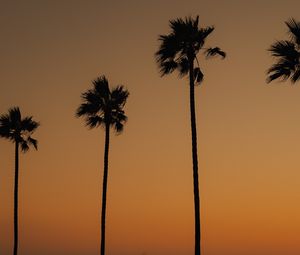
(104,107)
(18,130)
(287,54)
(178,51)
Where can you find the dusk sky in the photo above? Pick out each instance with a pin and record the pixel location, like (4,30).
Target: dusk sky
(248,131)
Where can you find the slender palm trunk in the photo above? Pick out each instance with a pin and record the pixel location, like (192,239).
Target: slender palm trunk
(16,198)
(195,160)
(103,213)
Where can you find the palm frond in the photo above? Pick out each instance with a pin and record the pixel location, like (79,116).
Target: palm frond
(180,26)
(88,108)
(101,87)
(169,47)
(296,75)
(119,116)
(167,67)
(278,71)
(32,142)
(211,52)
(93,121)
(24,146)
(119,95)
(14,114)
(198,75)
(294,29)
(287,55)
(118,121)
(29,125)
(284,49)
(183,66)
(5,126)
(118,127)
(202,34)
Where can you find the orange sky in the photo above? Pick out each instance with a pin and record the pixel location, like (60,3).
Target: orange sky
(248,131)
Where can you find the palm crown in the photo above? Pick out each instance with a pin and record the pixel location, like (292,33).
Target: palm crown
(102,106)
(287,54)
(179,48)
(17,129)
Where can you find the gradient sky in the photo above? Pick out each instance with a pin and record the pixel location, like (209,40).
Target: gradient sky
(248,131)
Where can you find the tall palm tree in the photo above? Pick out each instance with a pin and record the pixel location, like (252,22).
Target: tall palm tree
(103,107)
(18,130)
(287,54)
(178,51)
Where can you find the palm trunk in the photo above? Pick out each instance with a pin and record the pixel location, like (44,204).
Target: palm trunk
(16,198)
(103,213)
(195,160)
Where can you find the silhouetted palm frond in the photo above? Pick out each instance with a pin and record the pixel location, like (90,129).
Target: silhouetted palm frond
(294,30)
(211,52)
(198,75)
(168,67)
(286,49)
(287,56)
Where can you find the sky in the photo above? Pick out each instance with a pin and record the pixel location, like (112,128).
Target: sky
(248,131)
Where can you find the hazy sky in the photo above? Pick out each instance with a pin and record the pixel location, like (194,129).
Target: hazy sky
(248,131)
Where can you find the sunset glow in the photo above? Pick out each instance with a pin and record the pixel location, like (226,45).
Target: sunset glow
(248,131)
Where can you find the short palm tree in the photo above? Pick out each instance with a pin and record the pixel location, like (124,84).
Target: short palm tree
(178,51)
(18,130)
(103,107)
(287,55)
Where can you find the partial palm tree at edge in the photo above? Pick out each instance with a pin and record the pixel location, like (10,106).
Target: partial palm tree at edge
(18,130)
(103,107)
(287,55)
(178,51)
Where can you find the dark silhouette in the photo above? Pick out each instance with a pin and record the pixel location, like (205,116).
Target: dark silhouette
(178,51)
(104,107)
(287,54)
(18,130)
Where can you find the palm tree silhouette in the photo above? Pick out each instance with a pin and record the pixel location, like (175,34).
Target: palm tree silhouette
(178,51)
(18,130)
(104,107)
(287,54)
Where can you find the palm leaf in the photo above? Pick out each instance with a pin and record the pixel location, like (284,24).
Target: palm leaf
(211,52)
(183,66)
(294,29)
(198,75)
(24,146)
(296,75)
(93,121)
(287,56)
(167,67)
(285,49)
(33,142)
(203,33)
(28,124)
